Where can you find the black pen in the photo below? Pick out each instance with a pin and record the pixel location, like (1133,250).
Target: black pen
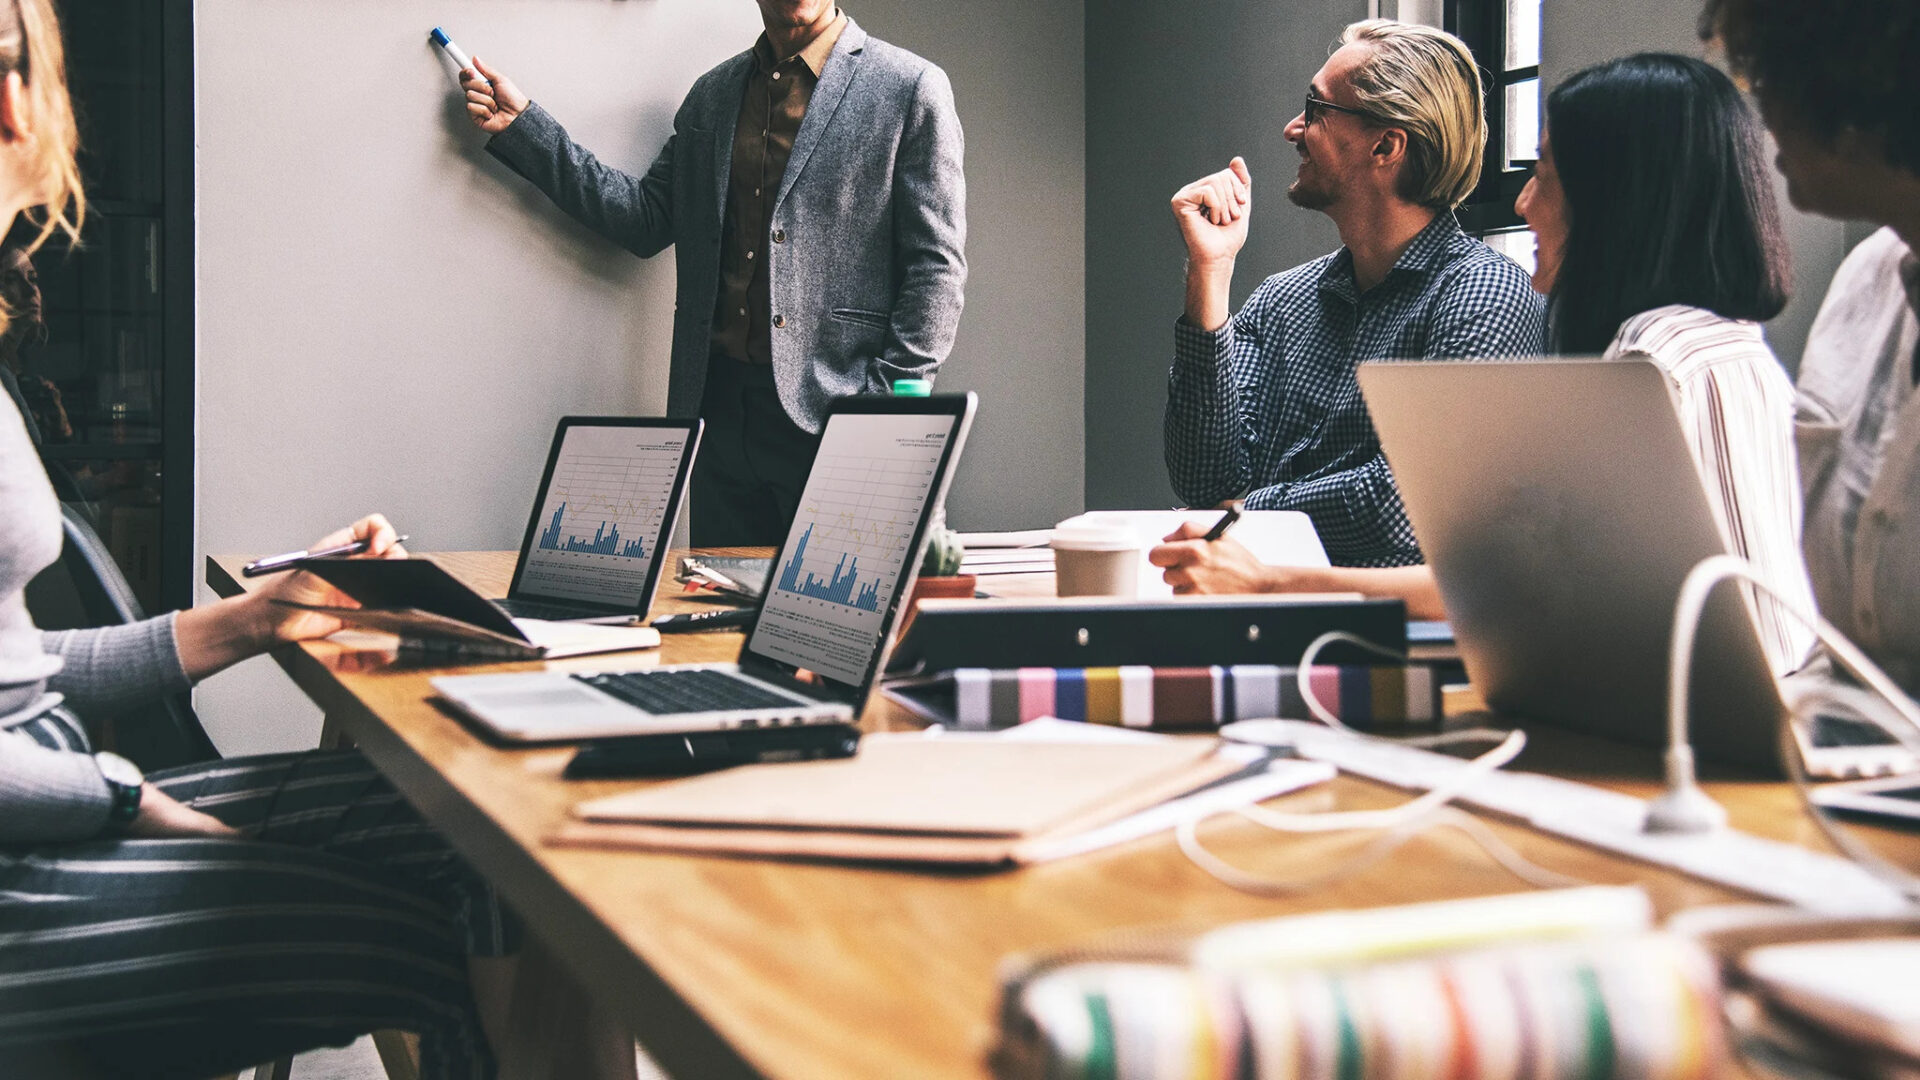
(705,620)
(1220,527)
(273,564)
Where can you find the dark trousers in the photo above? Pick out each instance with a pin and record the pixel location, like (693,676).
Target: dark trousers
(337,911)
(753,460)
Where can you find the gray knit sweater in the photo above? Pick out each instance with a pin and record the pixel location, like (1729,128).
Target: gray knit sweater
(48,795)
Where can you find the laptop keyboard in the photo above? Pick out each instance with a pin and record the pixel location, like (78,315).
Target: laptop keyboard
(538,609)
(700,690)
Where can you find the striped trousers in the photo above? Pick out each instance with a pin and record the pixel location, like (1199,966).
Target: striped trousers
(337,912)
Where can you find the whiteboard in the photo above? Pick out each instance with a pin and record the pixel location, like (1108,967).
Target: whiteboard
(388,317)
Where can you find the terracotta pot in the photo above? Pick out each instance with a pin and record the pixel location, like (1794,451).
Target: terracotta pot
(957,586)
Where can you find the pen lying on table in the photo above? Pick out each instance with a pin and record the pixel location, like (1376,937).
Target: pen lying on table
(705,620)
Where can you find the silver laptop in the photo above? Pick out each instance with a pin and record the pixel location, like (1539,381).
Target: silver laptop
(602,519)
(1560,509)
(820,635)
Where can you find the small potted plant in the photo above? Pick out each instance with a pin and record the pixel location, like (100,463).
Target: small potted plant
(940,574)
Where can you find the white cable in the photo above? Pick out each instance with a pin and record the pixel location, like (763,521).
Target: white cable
(1187,835)
(1397,824)
(1304,677)
(1395,817)
(1900,717)
(1689,609)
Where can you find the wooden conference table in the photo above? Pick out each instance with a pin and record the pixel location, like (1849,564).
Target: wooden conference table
(739,968)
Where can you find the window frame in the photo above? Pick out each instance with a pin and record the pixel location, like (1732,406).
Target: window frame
(1482,24)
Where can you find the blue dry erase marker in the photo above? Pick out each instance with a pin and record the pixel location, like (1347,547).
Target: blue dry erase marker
(441,39)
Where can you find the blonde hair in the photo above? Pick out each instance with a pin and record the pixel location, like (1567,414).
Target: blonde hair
(1425,81)
(30,44)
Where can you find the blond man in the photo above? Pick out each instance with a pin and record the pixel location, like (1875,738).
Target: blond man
(1262,404)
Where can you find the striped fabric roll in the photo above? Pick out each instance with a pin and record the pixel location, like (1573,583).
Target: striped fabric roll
(1193,698)
(1646,1006)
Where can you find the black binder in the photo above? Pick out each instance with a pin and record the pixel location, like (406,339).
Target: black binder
(1196,631)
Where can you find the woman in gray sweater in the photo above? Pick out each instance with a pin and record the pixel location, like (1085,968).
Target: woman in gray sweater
(197,921)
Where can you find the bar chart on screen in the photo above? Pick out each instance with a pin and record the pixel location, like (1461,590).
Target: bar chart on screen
(602,515)
(850,541)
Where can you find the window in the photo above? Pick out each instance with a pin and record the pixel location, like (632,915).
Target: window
(1505,36)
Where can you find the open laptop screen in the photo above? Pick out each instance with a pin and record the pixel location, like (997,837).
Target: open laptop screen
(831,594)
(606,508)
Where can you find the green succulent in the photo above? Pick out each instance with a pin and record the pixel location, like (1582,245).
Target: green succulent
(943,553)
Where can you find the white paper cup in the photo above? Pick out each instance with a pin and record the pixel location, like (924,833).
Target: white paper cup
(1096,560)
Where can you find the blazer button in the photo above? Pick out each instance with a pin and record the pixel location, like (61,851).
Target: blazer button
(779,321)
(779,236)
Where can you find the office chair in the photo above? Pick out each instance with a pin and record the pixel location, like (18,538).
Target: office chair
(86,589)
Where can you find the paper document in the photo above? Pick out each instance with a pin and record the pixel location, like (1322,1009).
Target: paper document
(583,639)
(1008,561)
(1023,538)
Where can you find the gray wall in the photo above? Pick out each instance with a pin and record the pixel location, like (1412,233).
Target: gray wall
(1174,93)
(389,320)
(1575,34)
(1017,79)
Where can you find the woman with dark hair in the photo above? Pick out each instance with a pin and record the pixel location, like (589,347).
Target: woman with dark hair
(1660,149)
(1658,239)
(203,919)
(1839,85)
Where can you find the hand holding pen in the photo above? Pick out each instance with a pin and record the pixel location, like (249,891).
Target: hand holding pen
(1220,527)
(1203,560)
(273,564)
(280,610)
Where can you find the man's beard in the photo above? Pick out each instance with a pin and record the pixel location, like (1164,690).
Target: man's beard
(1309,190)
(1308,197)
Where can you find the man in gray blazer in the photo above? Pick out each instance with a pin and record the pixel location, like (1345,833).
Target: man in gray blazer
(812,190)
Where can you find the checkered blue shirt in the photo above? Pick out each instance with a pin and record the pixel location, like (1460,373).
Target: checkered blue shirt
(1267,407)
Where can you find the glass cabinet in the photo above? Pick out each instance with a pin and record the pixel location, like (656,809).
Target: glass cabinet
(108,382)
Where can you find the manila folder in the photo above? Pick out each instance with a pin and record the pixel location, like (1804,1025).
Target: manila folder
(964,800)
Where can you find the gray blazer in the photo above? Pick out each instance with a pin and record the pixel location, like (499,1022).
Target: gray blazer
(866,239)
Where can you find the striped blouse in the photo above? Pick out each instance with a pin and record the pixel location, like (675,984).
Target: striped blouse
(1736,406)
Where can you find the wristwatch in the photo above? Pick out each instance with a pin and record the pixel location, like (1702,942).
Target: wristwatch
(125,780)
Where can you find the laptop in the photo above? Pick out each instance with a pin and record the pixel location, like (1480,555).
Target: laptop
(602,519)
(1560,508)
(821,631)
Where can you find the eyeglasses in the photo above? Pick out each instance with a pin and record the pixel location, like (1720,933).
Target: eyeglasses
(1317,105)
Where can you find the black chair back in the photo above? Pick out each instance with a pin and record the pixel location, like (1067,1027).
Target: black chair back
(86,589)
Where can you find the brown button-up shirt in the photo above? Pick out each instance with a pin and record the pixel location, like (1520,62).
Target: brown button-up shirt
(776,102)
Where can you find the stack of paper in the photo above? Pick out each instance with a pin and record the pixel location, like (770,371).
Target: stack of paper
(1020,538)
(992,561)
(993,553)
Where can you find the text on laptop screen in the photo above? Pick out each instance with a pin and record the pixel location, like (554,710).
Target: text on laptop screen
(601,519)
(846,554)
